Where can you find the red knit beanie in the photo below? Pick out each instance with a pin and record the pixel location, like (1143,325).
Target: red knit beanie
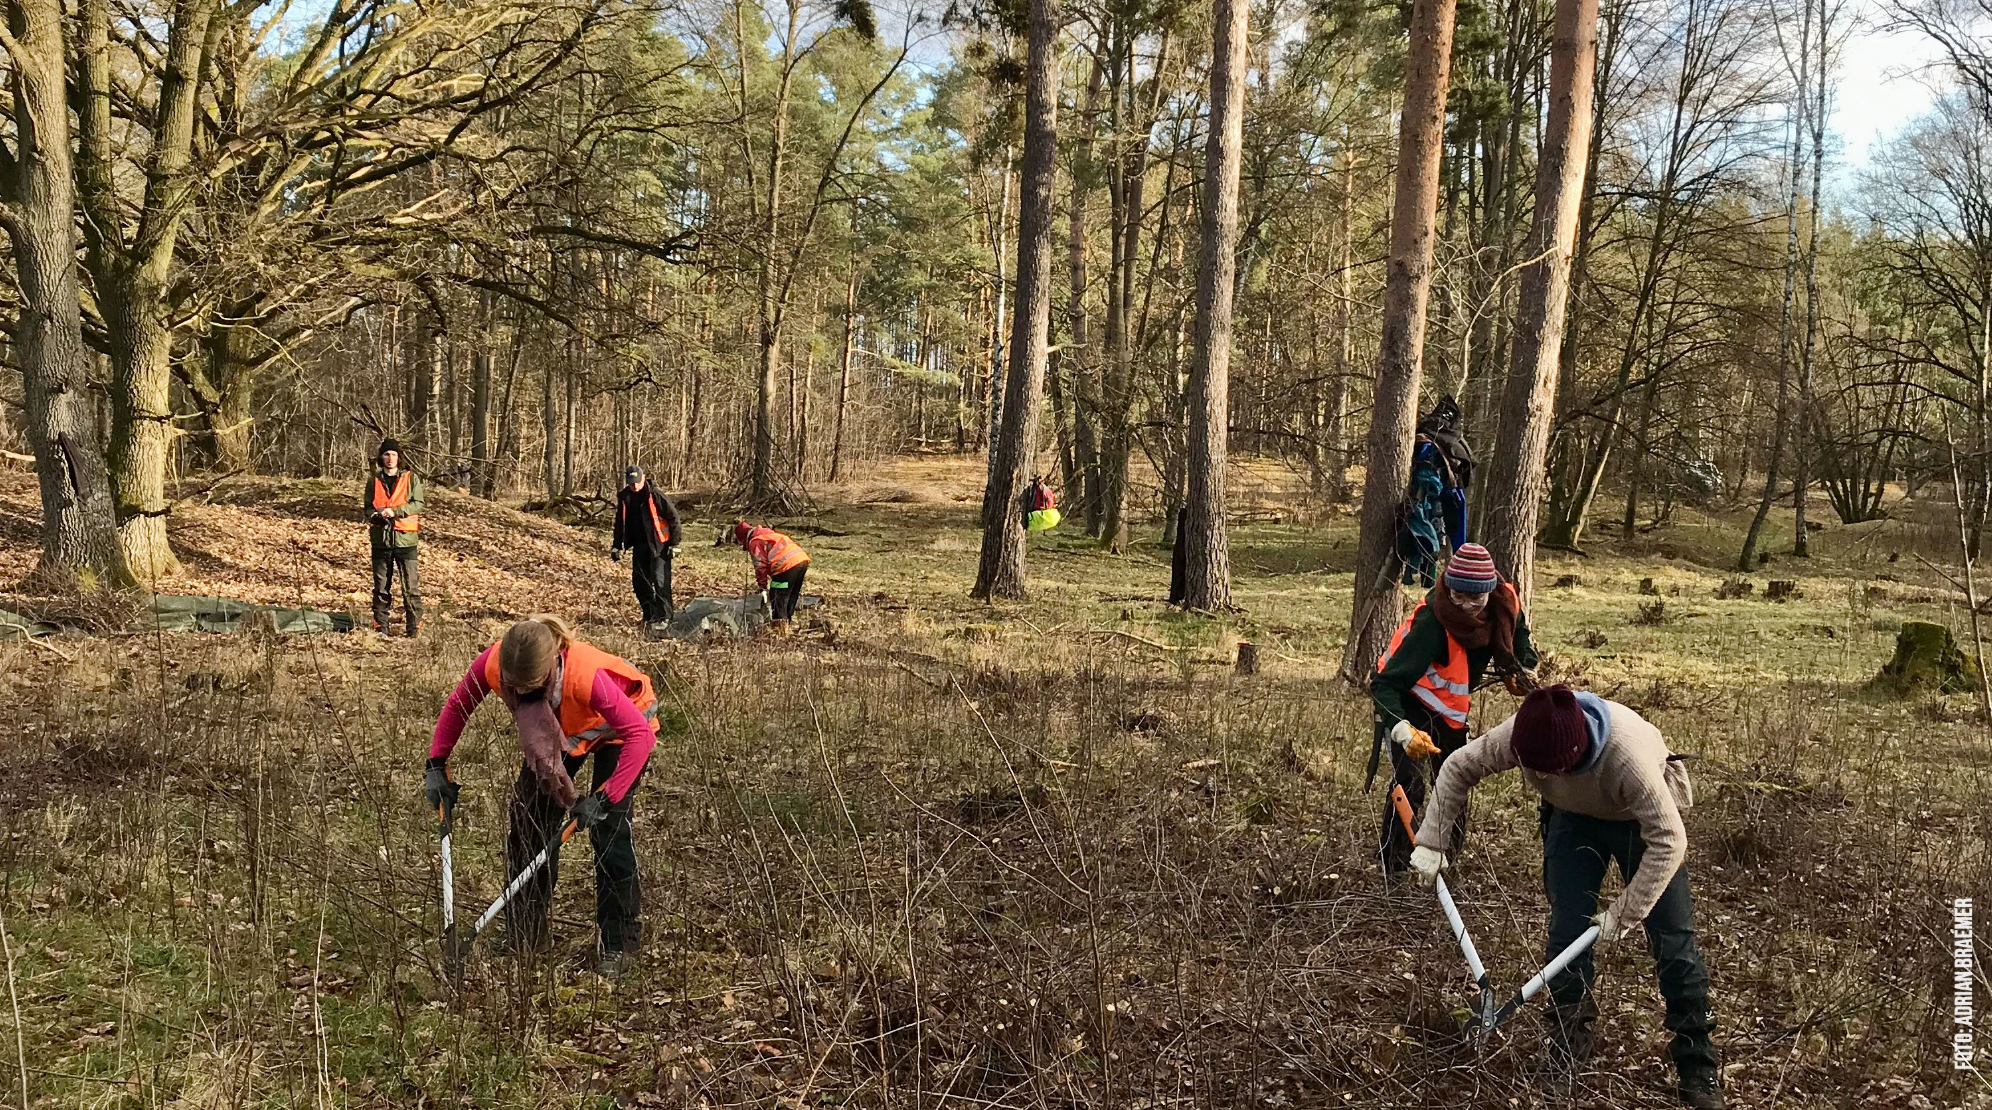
(741,530)
(1550,734)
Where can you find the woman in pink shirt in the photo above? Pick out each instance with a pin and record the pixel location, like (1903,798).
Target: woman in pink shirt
(570,700)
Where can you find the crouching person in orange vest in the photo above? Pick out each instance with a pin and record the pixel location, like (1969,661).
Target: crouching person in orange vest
(1423,684)
(570,700)
(779,566)
(394,529)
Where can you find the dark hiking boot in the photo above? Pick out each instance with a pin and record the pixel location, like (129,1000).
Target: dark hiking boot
(613,965)
(1573,1033)
(1701,1091)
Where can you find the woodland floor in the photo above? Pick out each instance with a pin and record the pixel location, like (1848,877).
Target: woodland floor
(934,854)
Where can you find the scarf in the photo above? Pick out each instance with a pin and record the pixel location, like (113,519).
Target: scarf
(1494,625)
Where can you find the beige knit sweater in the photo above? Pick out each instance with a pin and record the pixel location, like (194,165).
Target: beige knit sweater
(1630,781)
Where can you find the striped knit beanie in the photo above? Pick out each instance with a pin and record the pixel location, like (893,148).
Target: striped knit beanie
(1471,571)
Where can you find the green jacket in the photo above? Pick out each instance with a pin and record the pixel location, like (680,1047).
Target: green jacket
(380,532)
(1423,646)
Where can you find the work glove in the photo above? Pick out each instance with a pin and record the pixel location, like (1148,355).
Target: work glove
(1609,928)
(615,553)
(1427,863)
(1416,742)
(590,811)
(436,785)
(1518,684)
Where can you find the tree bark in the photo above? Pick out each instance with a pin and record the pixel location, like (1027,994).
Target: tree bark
(1207,547)
(1400,357)
(1000,247)
(132,275)
(1800,457)
(38,210)
(844,369)
(1514,490)
(1781,421)
(1000,572)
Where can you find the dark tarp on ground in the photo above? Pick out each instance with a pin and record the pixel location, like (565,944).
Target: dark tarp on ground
(181,613)
(721,618)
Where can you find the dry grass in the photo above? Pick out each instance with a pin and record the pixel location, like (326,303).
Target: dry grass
(957,856)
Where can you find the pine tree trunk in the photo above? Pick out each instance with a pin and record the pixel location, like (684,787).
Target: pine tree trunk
(1513,494)
(1400,365)
(844,370)
(1000,571)
(1000,333)
(1207,546)
(79,525)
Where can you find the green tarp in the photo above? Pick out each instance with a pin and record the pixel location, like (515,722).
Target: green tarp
(181,613)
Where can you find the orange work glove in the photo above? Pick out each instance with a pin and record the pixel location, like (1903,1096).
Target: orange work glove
(1416,742)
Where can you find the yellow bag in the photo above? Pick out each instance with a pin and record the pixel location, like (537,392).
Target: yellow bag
(1042,520)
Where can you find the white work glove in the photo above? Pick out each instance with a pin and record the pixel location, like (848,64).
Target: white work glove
(1416,742)
(1427,863)
(1609,928)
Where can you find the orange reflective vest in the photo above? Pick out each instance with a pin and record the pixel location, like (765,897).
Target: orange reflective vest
(657,525)
(773,552)
(384,498)
(582,726)
(1444,689)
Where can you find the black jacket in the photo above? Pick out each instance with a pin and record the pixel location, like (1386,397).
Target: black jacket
(634,510)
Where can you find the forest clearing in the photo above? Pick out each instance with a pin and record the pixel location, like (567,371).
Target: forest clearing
(1057,853)
(1059,554)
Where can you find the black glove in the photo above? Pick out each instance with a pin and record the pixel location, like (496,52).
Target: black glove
(616,554)
(590,811)
(436,784)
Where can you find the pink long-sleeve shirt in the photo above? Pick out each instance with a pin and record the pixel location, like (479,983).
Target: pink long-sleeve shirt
(609,696)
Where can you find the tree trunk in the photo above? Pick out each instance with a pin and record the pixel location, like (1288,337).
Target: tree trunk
(844,369)
(1000,572)
(1335,440)
(1514,490)
(1394,411)
(133,275)
(1000,246)
(79,524)
(1207,554)
(1800,455)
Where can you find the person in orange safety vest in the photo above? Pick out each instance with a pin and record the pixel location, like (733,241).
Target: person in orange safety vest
(779,566)
(569,700)
(1423,684)
(393,503)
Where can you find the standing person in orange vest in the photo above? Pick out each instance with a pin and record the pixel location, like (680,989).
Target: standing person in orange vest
(779,565)
(1423,684)
(394,525)
(647,528)
(570,700)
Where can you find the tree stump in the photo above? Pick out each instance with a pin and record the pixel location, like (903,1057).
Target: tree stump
(1647,587)
(1248,658)
(1734,588)
(1565,581)
(1782,589)
(1926,658)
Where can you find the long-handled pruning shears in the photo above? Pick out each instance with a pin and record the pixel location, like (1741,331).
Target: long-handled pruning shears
(1489,1018)
(455,948)
(1484,1018)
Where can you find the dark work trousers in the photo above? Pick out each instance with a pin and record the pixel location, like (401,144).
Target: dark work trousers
(386,560)
(650,576)
(1393,844)
(784,590)
(1576,851)
(536,817)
